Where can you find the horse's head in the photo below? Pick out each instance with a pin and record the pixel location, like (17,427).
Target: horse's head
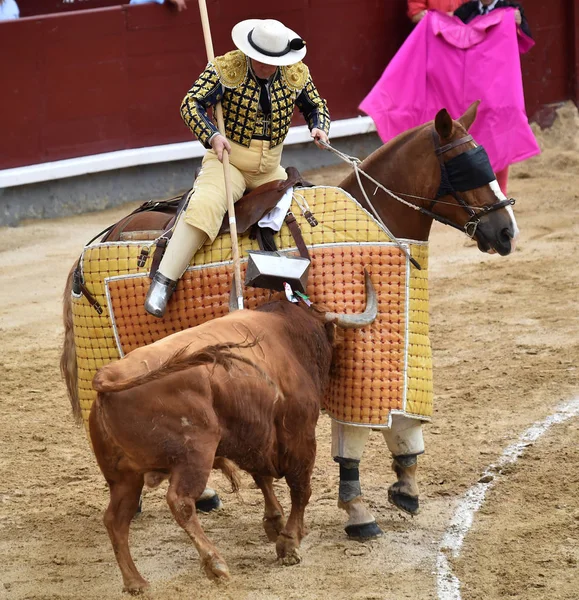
(469,196)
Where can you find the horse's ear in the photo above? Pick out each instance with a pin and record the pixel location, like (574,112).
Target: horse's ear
(443,124)
(470,115)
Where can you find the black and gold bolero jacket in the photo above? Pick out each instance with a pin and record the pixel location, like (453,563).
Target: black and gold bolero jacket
(230,80)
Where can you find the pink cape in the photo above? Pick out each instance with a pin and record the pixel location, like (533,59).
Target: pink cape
(445,63)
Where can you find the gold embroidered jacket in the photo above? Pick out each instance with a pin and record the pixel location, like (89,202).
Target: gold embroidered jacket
(230,80)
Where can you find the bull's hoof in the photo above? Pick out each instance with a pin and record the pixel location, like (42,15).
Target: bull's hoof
(405,502)
(216,569)
(286,548)
(136,588)
(364,531)
(208,504)
(291,558)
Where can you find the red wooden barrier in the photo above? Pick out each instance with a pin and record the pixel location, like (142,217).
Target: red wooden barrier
(93,81)
(33,8)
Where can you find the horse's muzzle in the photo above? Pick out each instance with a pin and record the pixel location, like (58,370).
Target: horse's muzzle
(495,235)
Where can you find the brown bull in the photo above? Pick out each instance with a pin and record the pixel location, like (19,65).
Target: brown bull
(179,407)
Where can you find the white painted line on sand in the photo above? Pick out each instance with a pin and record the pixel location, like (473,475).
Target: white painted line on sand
(448,585)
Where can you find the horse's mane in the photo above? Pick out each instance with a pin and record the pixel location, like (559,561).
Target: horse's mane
(388,148)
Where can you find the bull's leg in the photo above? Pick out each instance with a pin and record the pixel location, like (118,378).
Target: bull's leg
(347,448)
(405,441)
(125,494)
(291,535)
(273,520)
(186,486)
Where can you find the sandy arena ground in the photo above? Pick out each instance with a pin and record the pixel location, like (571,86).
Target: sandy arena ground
(506,350)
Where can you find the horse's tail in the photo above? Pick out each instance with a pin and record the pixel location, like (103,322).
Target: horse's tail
(68,366)
(107,378)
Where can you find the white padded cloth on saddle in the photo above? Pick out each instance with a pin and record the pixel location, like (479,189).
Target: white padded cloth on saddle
(275,217)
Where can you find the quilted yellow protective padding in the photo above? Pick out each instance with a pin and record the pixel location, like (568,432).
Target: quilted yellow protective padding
(384,367)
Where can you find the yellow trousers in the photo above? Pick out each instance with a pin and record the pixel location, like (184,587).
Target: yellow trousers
(250,168)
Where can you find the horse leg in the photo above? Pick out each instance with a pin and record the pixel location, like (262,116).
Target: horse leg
(124,499)
(208,501)
(348,444)
(291,535)
(273,519)
(186,485)
(405,442)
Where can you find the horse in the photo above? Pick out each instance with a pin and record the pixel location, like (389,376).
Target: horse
(433,172)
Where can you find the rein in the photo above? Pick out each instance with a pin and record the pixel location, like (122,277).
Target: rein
(446,188)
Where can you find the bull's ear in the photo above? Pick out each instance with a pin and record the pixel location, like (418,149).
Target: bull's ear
(470,115)
(443,124)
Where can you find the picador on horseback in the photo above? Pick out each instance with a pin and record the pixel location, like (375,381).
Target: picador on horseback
(258,86)
(370,232)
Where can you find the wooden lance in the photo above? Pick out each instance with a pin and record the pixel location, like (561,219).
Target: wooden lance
(226,169)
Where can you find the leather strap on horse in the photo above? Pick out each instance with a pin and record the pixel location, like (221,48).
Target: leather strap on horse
(159,252)
(164,239)
(296,232)
(78,287)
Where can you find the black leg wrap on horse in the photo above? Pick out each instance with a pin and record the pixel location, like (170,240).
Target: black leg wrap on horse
(349,478)
(208,504)
(366,531)
(406,460)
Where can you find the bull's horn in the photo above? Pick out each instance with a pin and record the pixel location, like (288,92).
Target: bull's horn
(362,319)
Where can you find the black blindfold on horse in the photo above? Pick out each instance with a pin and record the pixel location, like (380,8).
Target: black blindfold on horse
(467,171)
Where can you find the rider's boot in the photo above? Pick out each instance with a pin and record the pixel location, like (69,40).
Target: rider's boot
(404,493)
(160,290)
(184,243)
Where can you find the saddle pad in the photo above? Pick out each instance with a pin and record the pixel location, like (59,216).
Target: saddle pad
(379,369)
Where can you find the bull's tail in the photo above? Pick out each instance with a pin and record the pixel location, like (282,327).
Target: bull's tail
(217,355)
(68,366)
(229,470)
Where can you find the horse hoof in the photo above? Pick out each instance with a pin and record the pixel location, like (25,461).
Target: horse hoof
(208,504)
(406,503)
(365,531)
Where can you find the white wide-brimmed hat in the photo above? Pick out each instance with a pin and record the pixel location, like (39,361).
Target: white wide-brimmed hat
(269,42)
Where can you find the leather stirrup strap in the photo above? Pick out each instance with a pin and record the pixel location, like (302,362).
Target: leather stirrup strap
(297,235)
(158,254)
(164,240)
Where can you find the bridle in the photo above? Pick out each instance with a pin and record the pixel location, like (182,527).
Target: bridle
(447,188)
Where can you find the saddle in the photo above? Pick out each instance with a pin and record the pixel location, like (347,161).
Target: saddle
(250,209)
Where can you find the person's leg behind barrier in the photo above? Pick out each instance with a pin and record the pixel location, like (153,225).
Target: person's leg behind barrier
(503,179)
(202,220)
